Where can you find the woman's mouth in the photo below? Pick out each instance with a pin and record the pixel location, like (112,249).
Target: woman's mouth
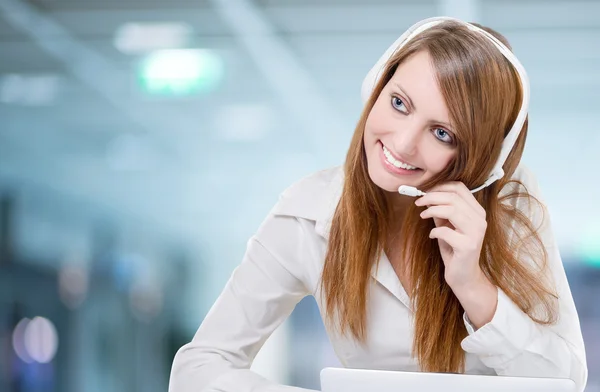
(394,165)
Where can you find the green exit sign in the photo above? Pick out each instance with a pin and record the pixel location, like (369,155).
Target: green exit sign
(180,72)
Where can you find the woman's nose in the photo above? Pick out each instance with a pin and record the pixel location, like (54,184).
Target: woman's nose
(406,139)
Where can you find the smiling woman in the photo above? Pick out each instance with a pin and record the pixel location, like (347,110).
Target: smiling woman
(409,143)
(452,282)
(436,119)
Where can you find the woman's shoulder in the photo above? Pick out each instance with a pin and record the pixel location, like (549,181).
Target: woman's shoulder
(524,174)
(314,196)
(523,180)
(525,183)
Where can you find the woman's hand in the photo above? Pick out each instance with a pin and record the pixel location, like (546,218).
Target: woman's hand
(460,229)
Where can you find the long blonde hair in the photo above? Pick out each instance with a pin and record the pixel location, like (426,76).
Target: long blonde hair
(485,93)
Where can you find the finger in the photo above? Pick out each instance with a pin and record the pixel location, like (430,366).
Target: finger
(473,226)
(442,222)
(461,190)
(458,219)
(440,198)
(450,199)
(452,237)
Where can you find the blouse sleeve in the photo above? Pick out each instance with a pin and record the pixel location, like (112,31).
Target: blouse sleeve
(261,293)
(514,345)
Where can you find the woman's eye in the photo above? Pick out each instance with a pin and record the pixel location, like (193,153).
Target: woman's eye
(398,105)
(443,135)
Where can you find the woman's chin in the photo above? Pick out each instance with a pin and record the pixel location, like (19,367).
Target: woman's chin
(389,182)
(385,181)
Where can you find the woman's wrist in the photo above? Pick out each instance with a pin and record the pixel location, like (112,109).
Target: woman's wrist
(479,299)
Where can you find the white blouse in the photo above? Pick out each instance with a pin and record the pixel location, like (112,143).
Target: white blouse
(283,264)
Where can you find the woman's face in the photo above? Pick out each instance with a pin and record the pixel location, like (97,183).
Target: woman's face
(408,137)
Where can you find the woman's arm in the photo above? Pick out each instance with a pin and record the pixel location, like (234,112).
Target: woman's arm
(260,295)
(514,345)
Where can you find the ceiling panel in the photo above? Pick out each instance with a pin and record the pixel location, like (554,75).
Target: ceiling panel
(204,151)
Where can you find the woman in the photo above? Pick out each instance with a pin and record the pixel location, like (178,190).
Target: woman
(453,281)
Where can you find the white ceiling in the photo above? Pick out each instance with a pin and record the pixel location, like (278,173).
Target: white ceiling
(201,186)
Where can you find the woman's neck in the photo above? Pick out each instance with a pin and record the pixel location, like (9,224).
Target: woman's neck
(398,205)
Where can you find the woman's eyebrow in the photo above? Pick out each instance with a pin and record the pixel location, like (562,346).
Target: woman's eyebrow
(405,94)
(403,91)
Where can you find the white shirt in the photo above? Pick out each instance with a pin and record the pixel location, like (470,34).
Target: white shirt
(283,263)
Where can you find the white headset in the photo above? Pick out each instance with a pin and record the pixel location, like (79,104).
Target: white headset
(375,73)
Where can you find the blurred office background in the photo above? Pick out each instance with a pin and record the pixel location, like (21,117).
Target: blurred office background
(142,143)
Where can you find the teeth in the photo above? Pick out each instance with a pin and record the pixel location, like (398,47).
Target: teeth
(396,162)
